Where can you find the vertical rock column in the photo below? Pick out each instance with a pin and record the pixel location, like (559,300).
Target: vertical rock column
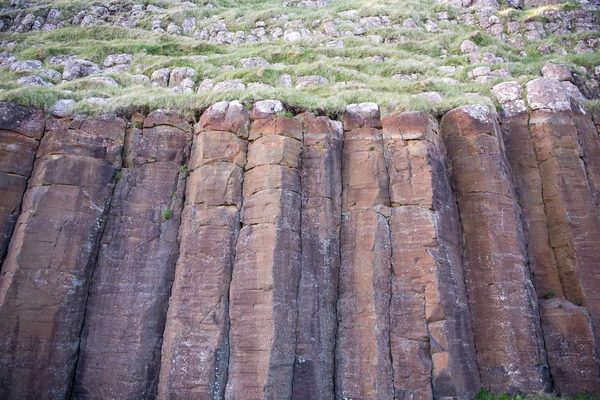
(46,273)
(363,361)
(20,132)
(563,144)
(567,331)
(506,326)
(433,353)
(263,310)
(130,286)
(195,349)
(321,222)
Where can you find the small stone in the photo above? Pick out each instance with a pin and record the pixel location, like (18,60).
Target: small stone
(549,94)
(266,108)
(468,46)
(285,80)
(557,71)
(139,78)
(232,84)
(311,80)
(75,69)
(253,62)
(63,108)
(103,81)
(26,66)
(50,74)
(160,77)
(259,85)
(33,80)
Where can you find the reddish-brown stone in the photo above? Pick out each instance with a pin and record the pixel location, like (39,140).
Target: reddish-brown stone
(130,286)
(363,361)
(20,132)
(528,184)
(506,323)
(432,349)
(574,229)
(195,349)
(263,295)
(317,293)
(46,273)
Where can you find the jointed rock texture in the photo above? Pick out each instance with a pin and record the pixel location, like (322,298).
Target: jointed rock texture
(253,254)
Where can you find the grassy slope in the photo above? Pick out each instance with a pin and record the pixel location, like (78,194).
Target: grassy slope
(420,55)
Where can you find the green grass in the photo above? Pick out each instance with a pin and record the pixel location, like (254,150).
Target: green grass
(421,54)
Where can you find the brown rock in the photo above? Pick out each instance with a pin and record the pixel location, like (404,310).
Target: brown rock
(317,294)
(46,273)
(120,349)
(363,362)
(433,353)
(266,273)
(20,132)
(505,317)
(570,343)
(195,351)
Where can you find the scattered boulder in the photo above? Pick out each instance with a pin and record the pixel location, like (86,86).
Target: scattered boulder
(75,69)
(33,80)
(285,80)
(63,108)
(468,46)
(259,85)
(311,80)
(105,81)
(50,75)
(266,108)
(206,85)
(253,62)
(510,96)
(232,84)
(140,78)
(182,77)
(25,66)
(547,94)
(557,71)
(116,63)
(160,77)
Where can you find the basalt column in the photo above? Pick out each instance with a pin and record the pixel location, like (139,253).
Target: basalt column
(263,310)
(195,349)
(431,338)
(506,326)
(574,229)
(46,273)
(130,286)
(363,362)
(20,132)
(321,222)
(566,327)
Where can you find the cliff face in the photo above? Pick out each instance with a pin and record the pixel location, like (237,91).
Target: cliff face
(255,254)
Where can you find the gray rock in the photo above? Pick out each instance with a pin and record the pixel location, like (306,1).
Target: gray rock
(160,77)
(253,62)
(75,69)
(206,85)
(181,76)
(189,26)
(335,44)
(103,81)
(547,94)
(285,80)
(468,46)
(174,29)
(26,66)
(33,80)
(63,108)
(50,75)
(266,108)
(140,78)
(232,84)
(311,80)
(117,59)
(259,85)
(557,71)
(432,97)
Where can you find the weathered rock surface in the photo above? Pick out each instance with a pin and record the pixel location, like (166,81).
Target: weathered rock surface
(433,353)
(120,349)
(20,132)
(363,358)
(195,350)
(317,294)
(46,273)
(506,323)
(266,273)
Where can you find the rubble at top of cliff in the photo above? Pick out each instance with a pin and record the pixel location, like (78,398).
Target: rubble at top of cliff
(313,54)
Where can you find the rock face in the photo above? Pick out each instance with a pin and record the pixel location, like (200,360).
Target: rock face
(195,350)
(269,256)
(51,256)
(20,132)
(318,291)
(505,316)
(266,272)
(120,349)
